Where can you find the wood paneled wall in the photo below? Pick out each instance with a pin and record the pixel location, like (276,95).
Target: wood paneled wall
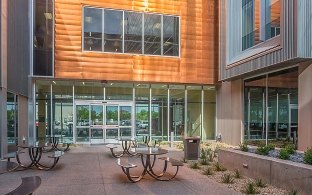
(198,62)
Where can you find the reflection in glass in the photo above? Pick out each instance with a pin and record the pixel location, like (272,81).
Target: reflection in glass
(43,108)
(93,29)
(96,115)
(272,18)
(62,110)
(125,116)
(97,134)
(159,112)
(152,34)
(83,135)
(177,110)
(133,32)
(82,115)
(112,133)
(113,23)
(209,113)
(12,120)
(111,115)
(119,91)
(142,109)
(125,132)
(89,91)
(281,108)
(43,37)
(170,36)
(194,122)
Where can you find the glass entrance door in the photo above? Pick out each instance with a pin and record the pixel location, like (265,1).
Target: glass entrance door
(98,122)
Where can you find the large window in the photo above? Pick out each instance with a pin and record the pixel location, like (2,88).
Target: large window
(260,21)
(43,38)
(93,29)
(271,106)
(118,31)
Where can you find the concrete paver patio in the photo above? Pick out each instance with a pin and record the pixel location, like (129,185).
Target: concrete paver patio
(92,170)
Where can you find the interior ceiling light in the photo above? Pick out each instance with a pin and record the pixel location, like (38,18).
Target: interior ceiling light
(54,82)
(48,16)
(88,19)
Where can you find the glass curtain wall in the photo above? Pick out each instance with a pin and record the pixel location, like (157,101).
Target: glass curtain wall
(209,113)
(119,91)
(272,12)
(12,120)
(89,91)
(177,111)
(43,37)
(43,109)
(142,110)
(62,110)
(189,110)
(194,110)
(159,112)
(271,106)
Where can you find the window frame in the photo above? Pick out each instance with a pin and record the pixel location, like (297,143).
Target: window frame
(123,32)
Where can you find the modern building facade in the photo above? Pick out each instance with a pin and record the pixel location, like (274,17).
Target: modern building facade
(100,70)
(93,71)
(265,71)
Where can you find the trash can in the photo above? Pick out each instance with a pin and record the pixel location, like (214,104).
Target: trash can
(191,148)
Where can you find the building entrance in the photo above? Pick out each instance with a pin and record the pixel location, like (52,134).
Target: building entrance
(103,121)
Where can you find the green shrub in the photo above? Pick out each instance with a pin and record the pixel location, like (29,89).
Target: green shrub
(250,188)
(271,146)
(237,174)
(227,178)
(290,148)
(284,154)
(208,171)
(203,154)
(308,156)
(195,166)
(218,167)
(243,147)
(211,155)
(264,150)
(260,183)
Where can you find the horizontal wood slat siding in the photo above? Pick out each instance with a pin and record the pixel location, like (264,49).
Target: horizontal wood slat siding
(198,62)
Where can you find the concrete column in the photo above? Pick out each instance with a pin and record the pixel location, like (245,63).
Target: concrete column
(305,107)
(230,111)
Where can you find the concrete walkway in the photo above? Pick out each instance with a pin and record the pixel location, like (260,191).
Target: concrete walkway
(92,170)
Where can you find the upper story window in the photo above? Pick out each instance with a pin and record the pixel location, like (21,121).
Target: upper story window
(260,21)
(118,31)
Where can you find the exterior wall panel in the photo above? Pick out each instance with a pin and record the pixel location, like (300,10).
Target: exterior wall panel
(18,55)
(283,56)
(198,62)
(304,28)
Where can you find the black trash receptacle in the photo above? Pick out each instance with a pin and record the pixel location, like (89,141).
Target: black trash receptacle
(191,148)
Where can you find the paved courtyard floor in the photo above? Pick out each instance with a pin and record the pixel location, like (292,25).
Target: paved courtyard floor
(91,170)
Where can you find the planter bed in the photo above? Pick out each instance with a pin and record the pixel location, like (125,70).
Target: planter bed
(280,173)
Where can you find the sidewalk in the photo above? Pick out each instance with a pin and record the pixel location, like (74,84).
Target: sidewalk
(92,170)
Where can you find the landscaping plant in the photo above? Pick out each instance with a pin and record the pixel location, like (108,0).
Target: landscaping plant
(208,171)
(284,154)
(308,156)
(250,188)
(218,167)
(227,178)
(237,174)
(195,166)
(264,150)
(260,183)
(243,147)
